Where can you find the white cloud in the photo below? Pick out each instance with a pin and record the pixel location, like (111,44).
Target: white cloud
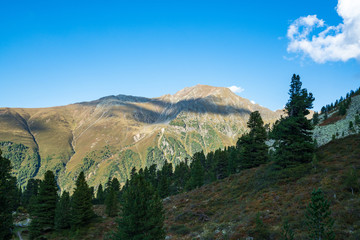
(252,101)
(334,43)
(236,89)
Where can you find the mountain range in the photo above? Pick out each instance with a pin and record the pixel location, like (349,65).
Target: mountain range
(109,136)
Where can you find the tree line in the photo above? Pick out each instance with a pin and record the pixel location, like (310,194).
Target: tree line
(138,203)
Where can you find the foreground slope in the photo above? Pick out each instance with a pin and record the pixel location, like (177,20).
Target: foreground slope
(227,209)
(110,136)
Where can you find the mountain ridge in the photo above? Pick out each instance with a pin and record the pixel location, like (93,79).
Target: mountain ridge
(109,136)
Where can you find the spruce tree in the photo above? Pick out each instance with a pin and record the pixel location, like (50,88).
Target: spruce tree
(100,196)
(196,173)
(164,177)
(142,215)
(63,211)
(233,160)
(315,118)
(43,214)
(31,191)
(7,188)
(318,215)
(293,135)
(252,146)
(111,201)
(221,159)
(81,203)
(181,176)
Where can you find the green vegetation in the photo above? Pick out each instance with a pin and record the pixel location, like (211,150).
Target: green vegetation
(25,161)
(342,103)
(318,217)
(178,122)
(7,196)
(154,156)
(196,171)
(294,144)
(81,203)
(142,214)
(352,181)
(63,211)
(100,196)
(252,146)
(112,197)
(287,233)
(228,187)
(43,214)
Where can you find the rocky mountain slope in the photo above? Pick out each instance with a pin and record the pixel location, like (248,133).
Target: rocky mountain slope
(109,136)
(336,126)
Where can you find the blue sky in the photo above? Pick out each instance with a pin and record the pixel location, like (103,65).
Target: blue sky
(60,52)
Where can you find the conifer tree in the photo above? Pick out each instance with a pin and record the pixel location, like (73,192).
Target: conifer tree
(100,196)
(63,211)
(233,160)
(164,177)
(181,176)
(252,146)
(43,215)
(81,203)
(318,215)
(222,162)
(196,173)
(210,167)
(315,118)
(7,188)
(293,135)
(142,215)
(112,199)
(31,191)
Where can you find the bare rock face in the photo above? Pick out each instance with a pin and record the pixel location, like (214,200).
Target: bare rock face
(109,136)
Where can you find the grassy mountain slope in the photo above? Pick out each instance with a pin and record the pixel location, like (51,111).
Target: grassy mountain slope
(109,136)
(227,209)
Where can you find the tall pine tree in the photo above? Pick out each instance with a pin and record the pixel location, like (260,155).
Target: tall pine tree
(196,172)
(43,215)
(100,196)
(252,146)
(293,135)
(63,211)
(112,200)
(142,215)
(81,203)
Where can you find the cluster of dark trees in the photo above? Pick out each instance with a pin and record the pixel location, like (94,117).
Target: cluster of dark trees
(49,211)
(343,103)
(139,201)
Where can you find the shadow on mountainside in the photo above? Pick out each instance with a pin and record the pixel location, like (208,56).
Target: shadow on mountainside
(168,110)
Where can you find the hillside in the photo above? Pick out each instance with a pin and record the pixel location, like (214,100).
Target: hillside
(337,126)
(109,136)
(226,209)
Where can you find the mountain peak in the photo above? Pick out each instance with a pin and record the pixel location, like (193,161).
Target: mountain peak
(199,91)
